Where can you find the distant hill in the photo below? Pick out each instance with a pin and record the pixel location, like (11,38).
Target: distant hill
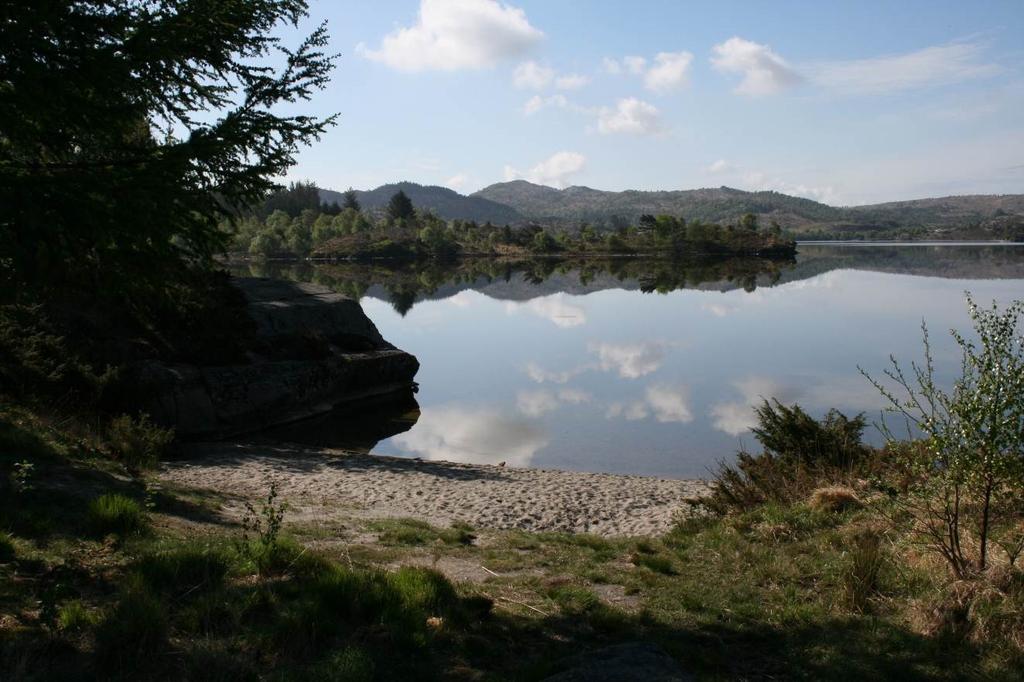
(446,203)
(519,201)
(719,205)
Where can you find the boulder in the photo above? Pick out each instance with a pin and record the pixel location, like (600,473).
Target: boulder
(313,350)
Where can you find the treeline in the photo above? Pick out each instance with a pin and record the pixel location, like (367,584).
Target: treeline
(293,222)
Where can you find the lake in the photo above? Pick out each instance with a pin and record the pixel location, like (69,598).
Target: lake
(646,367)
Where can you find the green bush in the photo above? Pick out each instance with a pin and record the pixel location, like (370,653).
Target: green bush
(800,453)
(116,514)
(137,442)
(134,631)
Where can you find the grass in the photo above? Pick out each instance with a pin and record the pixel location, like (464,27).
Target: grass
(780,591)
(416,532)
(116,514)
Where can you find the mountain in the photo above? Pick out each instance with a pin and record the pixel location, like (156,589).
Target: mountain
(721,205)
(986,214)
(446,203)
(519,201)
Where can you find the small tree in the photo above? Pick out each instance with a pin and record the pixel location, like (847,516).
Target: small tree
(400,207)
(350,200)
(971,459)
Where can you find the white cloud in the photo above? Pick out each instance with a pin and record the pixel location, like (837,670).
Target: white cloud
(532,76)
(554,308)
(541,375)
(630,361)
(720,166)
(764,72)
(632,116)
(928,67)
(635,65)
(458,181)
(536,103)
(632,411)
(536,403)
(574,396)
(456,34)
(669,404)
(669,71)
(611,66)
(571,81)
(482,436)
(554,171)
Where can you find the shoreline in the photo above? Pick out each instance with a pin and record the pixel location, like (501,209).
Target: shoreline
(324,484)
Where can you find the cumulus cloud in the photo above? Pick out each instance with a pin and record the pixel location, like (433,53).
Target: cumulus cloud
(554,171)
(928,67)
(481,436)
(451,35)
(665,403)
(669,404)
(554,308)
(720,166)
(537,102)
(532,76)
(536,403)
(571,81)
(763,71)
(631,116)
(668,72)
(630,361)
(458,181)
(541,375)
(632,411)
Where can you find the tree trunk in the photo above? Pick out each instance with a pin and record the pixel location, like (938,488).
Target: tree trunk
(984,524)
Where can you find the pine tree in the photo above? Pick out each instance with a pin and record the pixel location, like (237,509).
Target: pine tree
(400,207)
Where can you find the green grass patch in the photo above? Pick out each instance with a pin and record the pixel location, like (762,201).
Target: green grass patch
(415,532)
(116,514)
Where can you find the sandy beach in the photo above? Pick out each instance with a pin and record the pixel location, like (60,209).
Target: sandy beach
(326,484)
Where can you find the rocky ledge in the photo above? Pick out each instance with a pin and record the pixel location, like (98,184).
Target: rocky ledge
(313,350)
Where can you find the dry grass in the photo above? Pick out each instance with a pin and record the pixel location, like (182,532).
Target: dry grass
(834,499)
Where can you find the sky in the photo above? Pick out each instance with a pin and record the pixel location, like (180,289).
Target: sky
(843,102)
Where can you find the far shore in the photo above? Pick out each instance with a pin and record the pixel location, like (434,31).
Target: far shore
(319,484)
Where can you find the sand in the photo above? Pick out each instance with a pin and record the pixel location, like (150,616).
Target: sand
(329,484)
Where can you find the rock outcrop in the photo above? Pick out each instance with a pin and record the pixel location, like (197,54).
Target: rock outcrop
(313,351)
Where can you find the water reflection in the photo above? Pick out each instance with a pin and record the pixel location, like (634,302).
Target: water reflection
(475,436)
(655,367)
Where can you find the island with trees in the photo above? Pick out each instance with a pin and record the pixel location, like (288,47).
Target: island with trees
(294,223)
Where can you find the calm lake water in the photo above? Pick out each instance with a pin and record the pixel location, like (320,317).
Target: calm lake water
(646,368)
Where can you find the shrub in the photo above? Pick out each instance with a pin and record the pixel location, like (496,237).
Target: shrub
(799,453)
(135,630)
(833,499)
(137,442)
(969,468)
(117,514)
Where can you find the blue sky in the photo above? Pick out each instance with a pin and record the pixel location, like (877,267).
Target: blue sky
(847,103)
